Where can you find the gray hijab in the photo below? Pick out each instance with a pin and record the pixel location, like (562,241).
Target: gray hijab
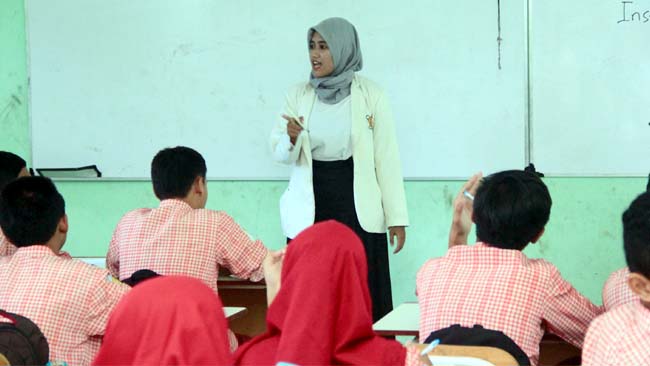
(343,43)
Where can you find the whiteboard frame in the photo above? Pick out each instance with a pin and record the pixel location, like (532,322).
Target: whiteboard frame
(527,125)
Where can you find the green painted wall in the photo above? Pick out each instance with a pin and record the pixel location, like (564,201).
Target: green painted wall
(14,125)
(583,237)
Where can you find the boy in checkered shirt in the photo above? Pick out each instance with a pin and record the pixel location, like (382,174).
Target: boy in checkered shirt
(68,299)
(622,335)
(492,283)
(181,236)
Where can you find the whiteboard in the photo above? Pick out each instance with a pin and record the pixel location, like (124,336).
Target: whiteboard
(590,88)
(114,81)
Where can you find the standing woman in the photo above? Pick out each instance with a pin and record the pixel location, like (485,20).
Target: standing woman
(337,133)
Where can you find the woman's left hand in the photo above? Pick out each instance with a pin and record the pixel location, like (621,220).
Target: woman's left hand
(400,233)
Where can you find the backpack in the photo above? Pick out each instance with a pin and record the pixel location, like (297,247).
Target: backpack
(140,276)
(21,341)
(479,336)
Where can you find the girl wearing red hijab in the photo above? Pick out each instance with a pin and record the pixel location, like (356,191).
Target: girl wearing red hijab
(322,313)
(167,321)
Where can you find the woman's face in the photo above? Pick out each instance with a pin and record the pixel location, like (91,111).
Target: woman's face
(319,54)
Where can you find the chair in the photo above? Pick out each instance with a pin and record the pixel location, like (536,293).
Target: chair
(3,360)
(493,355)
(479,337)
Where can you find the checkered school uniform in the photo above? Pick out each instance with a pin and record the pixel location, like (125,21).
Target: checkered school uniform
(6,248)
(69,300)
(616,291)
(412,357)
(502,290)
(621,336)
(175,239)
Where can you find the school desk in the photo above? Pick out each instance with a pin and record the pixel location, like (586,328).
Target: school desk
(404,320)
(243,293)
(232,313)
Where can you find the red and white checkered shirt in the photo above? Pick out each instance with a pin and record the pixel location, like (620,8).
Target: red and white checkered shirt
(501,290)
(175,239)
(621,336)
(616,291)
(6,248)
(69,300)
(412,356)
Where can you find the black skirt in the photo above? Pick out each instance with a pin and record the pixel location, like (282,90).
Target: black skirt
(334,198)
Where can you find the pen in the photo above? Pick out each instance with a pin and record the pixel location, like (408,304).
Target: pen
(430,347)
(468,195)
(297,120)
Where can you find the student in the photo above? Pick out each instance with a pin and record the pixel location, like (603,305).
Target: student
(492,283)
(621,336)
(616,291)
(322,313)
(12,166)
(181,237)
(69,300)
(162,337)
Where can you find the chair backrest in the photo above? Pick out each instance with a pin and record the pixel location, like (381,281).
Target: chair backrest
(493,355)
(478,336)
(21,341)
(139,276)
(4,361)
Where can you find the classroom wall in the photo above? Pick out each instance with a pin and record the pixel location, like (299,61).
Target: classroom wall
(583,237)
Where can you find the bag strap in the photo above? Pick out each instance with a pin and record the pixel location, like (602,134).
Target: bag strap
(6,315)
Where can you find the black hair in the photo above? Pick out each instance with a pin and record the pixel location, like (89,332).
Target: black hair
(173,170)
(30,210)
(636,235)
(511,208)
(10,166)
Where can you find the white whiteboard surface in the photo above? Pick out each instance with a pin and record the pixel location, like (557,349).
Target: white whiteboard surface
(114,81)
(590,88)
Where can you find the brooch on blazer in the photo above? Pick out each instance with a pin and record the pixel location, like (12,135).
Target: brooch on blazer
(371,121)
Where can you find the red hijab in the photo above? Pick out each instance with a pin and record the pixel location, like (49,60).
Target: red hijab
(167,321)
(322,313)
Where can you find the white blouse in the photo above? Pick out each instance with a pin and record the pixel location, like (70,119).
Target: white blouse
(330,127)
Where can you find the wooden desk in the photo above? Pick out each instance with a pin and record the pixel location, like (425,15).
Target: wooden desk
(235,292)
(404,320)
(248,297)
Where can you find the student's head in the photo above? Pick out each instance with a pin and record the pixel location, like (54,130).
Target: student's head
(32,212)
(636,242)
(185,326)
(12,166)
(179,172)
(511,209)
(298,315)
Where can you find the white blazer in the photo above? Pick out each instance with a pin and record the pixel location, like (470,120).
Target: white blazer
(378,185)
